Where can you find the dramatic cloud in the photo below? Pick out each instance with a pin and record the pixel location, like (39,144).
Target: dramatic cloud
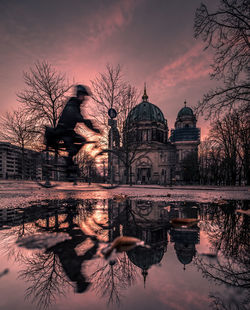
(192,65)
(153,41)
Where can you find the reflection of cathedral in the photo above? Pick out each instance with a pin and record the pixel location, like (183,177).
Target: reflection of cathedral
(184,238)
(150,221)
(156,158)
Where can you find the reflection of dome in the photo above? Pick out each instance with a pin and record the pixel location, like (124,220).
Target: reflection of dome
(185,252)
(144,258)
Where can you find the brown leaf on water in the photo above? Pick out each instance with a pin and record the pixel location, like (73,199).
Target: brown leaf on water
(168,208)
(247,212)
(121,244)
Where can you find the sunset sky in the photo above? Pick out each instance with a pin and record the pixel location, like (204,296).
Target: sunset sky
(152,39)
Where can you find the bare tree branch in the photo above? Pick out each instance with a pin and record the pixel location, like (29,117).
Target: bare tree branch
(45,93)
(226,32)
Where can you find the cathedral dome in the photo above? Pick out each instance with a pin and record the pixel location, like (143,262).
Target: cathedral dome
(145,111)
(185,111)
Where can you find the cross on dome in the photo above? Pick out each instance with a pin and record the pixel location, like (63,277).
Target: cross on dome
(145,96)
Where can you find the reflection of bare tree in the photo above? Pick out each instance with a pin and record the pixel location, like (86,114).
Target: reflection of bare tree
(49,274)
(228,234)
(46,278)
(226,270)
(219,303)
(227,230)
(9,237)
(109,280)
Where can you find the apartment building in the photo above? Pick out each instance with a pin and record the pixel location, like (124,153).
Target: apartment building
(17,164)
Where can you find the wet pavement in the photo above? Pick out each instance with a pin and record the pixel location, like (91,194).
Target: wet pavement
(21,193)
(193,254)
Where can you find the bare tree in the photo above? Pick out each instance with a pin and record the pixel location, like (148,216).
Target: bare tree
(110,90)
(129,153)
(226,31)
(45,93)
(232,135)
(243,138)
(44,96)
(190,170)
(86,164)
(18,128)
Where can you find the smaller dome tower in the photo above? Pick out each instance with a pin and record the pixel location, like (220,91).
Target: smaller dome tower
(185,118)
(186,138)
(185,126)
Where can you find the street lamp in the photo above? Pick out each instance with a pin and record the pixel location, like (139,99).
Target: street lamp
(113,124)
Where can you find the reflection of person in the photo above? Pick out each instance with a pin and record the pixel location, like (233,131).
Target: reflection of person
(67,254)
(71,262)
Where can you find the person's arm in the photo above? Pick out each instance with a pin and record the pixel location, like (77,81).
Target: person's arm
(89,124)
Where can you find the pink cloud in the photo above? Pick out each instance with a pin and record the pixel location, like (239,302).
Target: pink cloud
(112,20)
(192,65)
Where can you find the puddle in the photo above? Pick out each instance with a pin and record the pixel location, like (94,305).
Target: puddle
(51,255)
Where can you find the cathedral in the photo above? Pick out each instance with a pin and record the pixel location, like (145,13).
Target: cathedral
(152,155)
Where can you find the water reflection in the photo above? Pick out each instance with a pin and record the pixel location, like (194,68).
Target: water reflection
(90,224)
(229,236)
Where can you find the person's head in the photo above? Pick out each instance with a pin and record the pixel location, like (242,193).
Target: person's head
(82,91)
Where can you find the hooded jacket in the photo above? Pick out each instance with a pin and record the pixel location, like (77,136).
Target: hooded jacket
(71,115)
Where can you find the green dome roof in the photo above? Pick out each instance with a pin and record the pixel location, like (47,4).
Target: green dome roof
(144,258)
(146,111)
(185,111)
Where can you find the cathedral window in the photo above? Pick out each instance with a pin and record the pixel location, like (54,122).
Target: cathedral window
(159,135)
(144,135)
(154,134)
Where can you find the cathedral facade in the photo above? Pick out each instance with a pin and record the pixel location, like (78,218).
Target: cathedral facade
(152,155)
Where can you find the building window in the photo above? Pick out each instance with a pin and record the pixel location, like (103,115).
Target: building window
(154,134)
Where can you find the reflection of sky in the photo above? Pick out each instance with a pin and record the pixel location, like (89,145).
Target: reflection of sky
(168,285)
(152,40)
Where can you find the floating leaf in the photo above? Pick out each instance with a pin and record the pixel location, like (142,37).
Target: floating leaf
(121,244)
(247,212)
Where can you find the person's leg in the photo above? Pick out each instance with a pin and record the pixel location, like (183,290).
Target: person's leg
(73,143)
(79,142)
(70,148)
